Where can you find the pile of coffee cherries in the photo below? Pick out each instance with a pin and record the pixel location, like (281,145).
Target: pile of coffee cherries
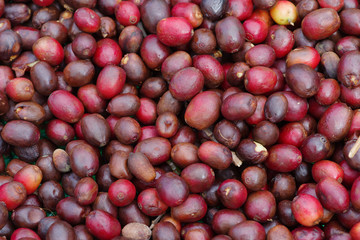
(180,119)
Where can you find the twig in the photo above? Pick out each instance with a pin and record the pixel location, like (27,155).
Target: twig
(155,221)
(236,160)
(32,64)
(173,167)
(209,134)
(355,148)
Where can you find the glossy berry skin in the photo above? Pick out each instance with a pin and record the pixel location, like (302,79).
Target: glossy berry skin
(190,11)
(329,92)
(238,106)
(65,106)
(215,155)
(303,80)
(87,20)
(165,230)
(30,176)
(181,59)
(224,219)
(335,122)
(281,40)
(84,45)
(43,3)
(260,206)
(147,111)
(103,225)
(110,81)
(24,233)
(186,83)
(315,148)
(355,231)
(49,50)
(230,34)
(306,55)
(122,192)
(193,209)
(260,80)
(354,194)
(108,52)
(260,55)
(349,175)
(153,52)
(127,13)
(333,195)
(86,191)
(276,107)
(326,168)
(210,68)
(232,193)
(255,30)
(297,107)
(307,233)
(156,149)
(150,203)
(284,13)
(198,176)
(348,69)
(247,230)
(283,158)
(293,134)
(240,9)
(174,31)
(172,189)
(20,89)
(13,194)
(320,24)
(197,115)
(307,210)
